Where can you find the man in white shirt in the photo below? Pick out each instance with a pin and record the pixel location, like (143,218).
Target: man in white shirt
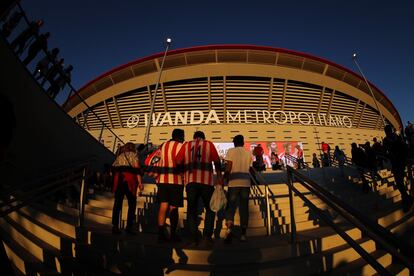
(239,161)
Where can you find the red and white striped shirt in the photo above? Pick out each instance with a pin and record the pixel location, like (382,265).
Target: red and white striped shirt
(168,172)
(196,157)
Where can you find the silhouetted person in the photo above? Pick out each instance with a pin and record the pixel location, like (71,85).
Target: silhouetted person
(299,158)
(360,160)
(22,39)
(53,71)
(379,152)
(42,66)
(274,158)
(39,44)
(58,84)
(258,164)
(372,162)
(326,150)
(396,151)
(11,24)
(315,161)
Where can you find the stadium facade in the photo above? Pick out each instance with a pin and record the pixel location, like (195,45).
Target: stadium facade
(273,96)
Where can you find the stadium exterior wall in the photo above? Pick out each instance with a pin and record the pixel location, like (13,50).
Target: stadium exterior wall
(227,80)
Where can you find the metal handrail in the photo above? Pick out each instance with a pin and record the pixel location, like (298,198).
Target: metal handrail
(294,159)
(10,191)
(17,201)
(373,230)
(254,175)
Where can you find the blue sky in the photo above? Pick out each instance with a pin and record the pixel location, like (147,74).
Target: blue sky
(96,36)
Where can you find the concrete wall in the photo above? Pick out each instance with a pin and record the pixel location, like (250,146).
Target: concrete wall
(45,136)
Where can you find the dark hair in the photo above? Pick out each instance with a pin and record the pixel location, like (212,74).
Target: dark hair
(141,147)
(199,134)
(128,147)
(238,141)
(178,135)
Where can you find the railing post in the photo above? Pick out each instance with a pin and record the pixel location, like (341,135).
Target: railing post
(82,199)
(269,226)
(100,134)
(113,148)
(292,209)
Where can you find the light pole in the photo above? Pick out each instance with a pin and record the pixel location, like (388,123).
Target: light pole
(147,132)
(354,58)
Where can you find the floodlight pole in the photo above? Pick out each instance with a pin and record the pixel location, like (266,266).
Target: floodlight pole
(149,121)
(354,58)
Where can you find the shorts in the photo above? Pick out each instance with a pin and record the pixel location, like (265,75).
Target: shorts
(171,193)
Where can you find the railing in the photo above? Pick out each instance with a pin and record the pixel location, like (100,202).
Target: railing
(72,90)
(257,178)
(374,231)
(17,198)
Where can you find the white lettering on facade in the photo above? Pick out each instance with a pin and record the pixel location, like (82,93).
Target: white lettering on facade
(237,116)
(212,116)
(183,119)
(247,116)
(194,120)
(306,121)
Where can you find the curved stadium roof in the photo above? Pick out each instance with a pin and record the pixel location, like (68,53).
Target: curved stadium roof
(317,68)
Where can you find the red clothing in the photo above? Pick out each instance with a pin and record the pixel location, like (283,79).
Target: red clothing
(168,173)
(129,178)
(258,151)
(325,147)
(124,161)
(197,157)
(300,153)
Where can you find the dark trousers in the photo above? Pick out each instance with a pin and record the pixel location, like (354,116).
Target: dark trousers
(194,192)
(301,164)
(121,191)
(241,195)
(398,173)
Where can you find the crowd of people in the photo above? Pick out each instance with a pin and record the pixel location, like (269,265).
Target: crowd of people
(33,46)
(177,165)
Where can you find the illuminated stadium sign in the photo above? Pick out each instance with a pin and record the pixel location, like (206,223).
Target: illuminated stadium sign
(247,116)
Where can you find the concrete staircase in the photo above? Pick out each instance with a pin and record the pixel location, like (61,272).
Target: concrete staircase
(42,239)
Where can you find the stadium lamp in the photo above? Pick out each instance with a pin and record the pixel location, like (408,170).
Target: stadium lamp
(354,57)
(154,96)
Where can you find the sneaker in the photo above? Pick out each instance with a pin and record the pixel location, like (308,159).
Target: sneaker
(229,238)
(116,230)
(243,238)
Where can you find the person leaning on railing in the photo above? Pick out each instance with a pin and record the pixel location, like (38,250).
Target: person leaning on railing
(127,182)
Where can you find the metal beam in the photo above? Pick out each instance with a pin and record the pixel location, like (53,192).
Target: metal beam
(118,114)
(269,105)
(108,114)
(362,114)
(331,101)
